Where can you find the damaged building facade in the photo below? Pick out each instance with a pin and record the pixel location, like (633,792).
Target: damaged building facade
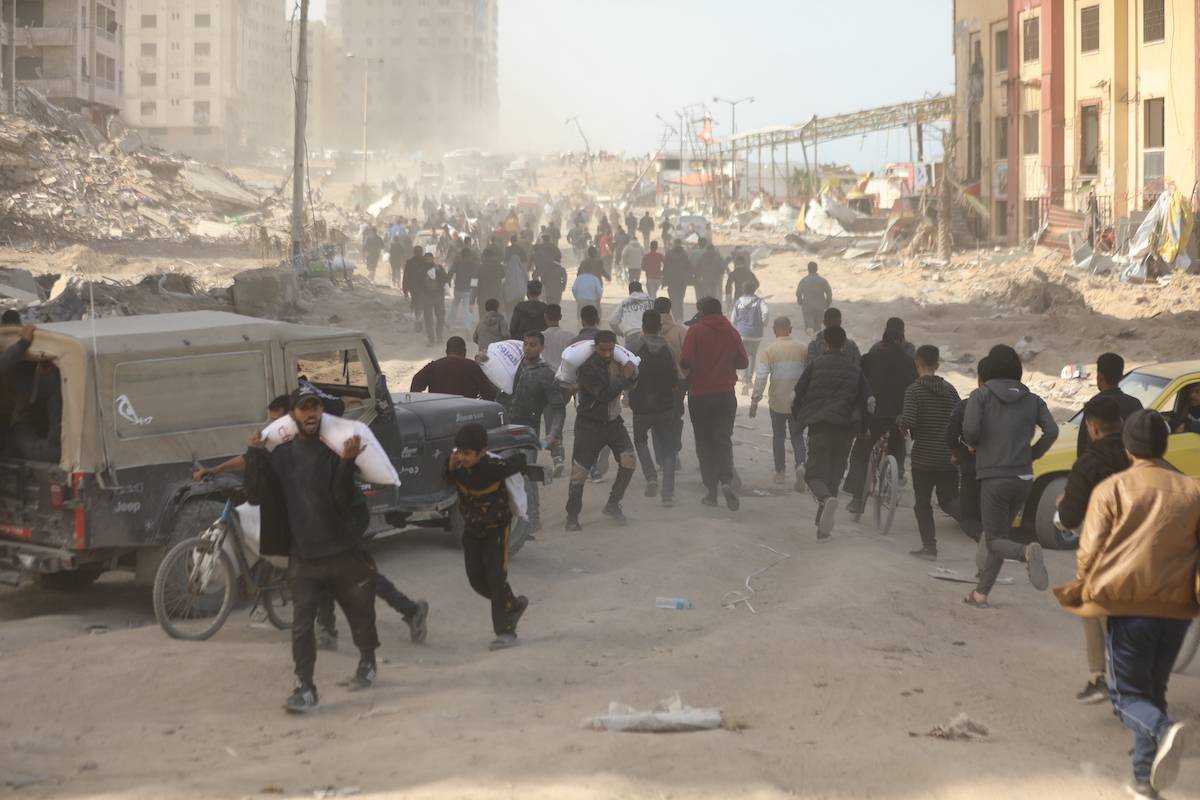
(1057,99)
(69,50)
(208,77)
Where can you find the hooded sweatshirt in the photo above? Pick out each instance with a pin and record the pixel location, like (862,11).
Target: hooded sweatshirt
(713,352)
(998,423)
(658,376)
(928,403)
(1104,457)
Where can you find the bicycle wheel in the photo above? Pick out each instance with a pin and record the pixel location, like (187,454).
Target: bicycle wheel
(277,602)
(870,484)
(1191,643)
(887,494)
(194,589)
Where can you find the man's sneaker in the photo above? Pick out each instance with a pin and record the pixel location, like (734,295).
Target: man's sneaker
(1037,567)
(559,468)
(925,553)
(504,641)
(1166,763)
(303,699)
(732,501)
(364,677)
(1142,790)
(573,524)
(652,489)
(825,518)
(855,507)
(596,476)
(780,478)
(709,499)
(613,510)
(1095,692)
(668,502)
(327,640)
(417,629)
(518,610)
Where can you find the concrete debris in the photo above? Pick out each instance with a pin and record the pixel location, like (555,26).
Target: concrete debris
(1028,348)
(266,292)
(62,178)
(961,728)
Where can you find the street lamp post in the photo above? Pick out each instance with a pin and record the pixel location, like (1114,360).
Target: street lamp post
(733,104)
(366,62)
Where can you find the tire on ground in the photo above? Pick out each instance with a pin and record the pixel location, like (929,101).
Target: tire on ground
(1044,530)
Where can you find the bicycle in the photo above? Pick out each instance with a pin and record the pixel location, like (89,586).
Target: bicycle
(882,485)
(201,578)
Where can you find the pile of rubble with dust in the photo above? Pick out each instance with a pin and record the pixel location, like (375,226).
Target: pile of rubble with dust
(62,178)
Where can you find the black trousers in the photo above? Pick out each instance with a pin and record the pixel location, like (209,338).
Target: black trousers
(350,578)
(662,427)
(385,590)
(970,519)
(433,311)
(925,482)
(712,423)
(591,437)
(828,449)
(783,427)
(860,456)
(485,555)
(677,293)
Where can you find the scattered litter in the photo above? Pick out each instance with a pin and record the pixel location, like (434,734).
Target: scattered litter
(232,753)
(945,574)
(760,493)
(673,603)
(961,728)
(1074,372)
(731,599)
(336,791)
(670,716)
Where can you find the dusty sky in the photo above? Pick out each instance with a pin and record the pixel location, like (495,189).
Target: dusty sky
(617,63)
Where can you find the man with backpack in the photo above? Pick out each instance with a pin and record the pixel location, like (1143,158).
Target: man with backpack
(653,405)
(749,316)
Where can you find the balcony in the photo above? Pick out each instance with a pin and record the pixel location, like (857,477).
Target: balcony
(45,37)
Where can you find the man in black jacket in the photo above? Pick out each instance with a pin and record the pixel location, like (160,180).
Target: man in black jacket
(653,405)
(1105,456)
(598,424)
(313,512)
(832,399)
(889,372)
(536,394)
(1110,369)
(677,274)
(928,403)
(529,315)
(970,518)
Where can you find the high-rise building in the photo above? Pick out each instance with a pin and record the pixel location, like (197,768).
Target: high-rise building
(431,72)
(209,77)
(71,51)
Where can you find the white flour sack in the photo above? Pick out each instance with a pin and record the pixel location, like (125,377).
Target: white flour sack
(503,358)
(372,463)
(574,356)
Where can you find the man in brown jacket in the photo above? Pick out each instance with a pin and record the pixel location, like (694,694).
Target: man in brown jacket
(1138,560)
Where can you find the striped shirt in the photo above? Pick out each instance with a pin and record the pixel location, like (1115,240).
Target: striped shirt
(783,363)
(928,403)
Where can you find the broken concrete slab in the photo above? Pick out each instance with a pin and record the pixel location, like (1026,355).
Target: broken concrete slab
(21,279)
(267,292)
(218,188)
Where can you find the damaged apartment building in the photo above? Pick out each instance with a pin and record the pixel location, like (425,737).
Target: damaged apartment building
(1057,100)
(69,50)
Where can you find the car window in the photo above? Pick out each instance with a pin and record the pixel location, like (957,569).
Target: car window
(1146,388)
(341,372)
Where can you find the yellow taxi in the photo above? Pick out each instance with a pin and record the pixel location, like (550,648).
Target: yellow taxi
(1167,388)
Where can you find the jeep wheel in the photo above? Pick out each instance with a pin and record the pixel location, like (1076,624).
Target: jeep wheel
(70,581)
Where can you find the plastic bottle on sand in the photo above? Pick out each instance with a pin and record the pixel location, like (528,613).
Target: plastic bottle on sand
(674,603)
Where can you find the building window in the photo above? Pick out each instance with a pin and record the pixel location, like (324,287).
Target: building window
(1001,137)
(1032,39)
(149,21)
(203,20)
(200,112)
(1089,140)
(1033,216)
(149,79)
(149,108)
(1089,29)
(1154,21)
(1001,218)
(202,49)
(149,49)
(1001,54)
(202,79)
(1030,132)
(1154,154)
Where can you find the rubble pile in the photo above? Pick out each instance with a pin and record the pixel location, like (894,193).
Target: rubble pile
(62,178)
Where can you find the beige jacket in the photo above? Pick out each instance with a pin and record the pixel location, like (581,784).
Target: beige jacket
(674,333)
(1139,553)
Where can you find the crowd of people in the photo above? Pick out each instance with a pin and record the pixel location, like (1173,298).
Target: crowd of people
(1137,519)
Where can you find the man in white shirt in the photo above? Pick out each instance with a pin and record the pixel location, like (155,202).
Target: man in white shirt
(628,316)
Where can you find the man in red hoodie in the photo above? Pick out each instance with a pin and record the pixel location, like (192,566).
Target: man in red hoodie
(712,354)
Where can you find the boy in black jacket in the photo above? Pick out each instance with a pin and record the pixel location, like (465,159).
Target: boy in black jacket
(653,404)
(487,514)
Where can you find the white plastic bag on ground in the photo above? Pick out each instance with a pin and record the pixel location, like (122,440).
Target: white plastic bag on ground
(574,356)
(671,716)
(373,463)
(503,358)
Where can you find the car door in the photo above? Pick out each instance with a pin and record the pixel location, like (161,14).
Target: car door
(1183,450)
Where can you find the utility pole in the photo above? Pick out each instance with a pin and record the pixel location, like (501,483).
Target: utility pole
(298,143)
(12,60)
(733,104)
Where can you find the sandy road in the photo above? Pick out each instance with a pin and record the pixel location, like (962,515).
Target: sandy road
(853,649)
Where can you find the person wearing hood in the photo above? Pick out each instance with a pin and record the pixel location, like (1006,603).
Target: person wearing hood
(490,285)
(712,355)
(464,273)
(889,371)
(832,399)
(814,295)
(536,396)
(1104,456)
(492,327)
(516,276)
(1137,565)
(628,316)
(928,403)
(530,314)
(631,258)
(677,274)
(653,404)
(998,424)
(896,325)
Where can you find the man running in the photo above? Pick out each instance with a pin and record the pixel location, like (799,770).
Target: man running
(782,363)
(653,405)
(536,395)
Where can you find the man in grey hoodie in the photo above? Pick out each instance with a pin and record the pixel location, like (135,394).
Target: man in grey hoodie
(998,425)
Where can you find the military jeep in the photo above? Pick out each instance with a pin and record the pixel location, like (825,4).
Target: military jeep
(145,400)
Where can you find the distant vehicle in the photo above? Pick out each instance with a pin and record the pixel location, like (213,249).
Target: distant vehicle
(1163,387)
(691,228)
(147,399)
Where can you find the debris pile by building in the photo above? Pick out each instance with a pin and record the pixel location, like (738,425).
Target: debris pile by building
(62,178)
